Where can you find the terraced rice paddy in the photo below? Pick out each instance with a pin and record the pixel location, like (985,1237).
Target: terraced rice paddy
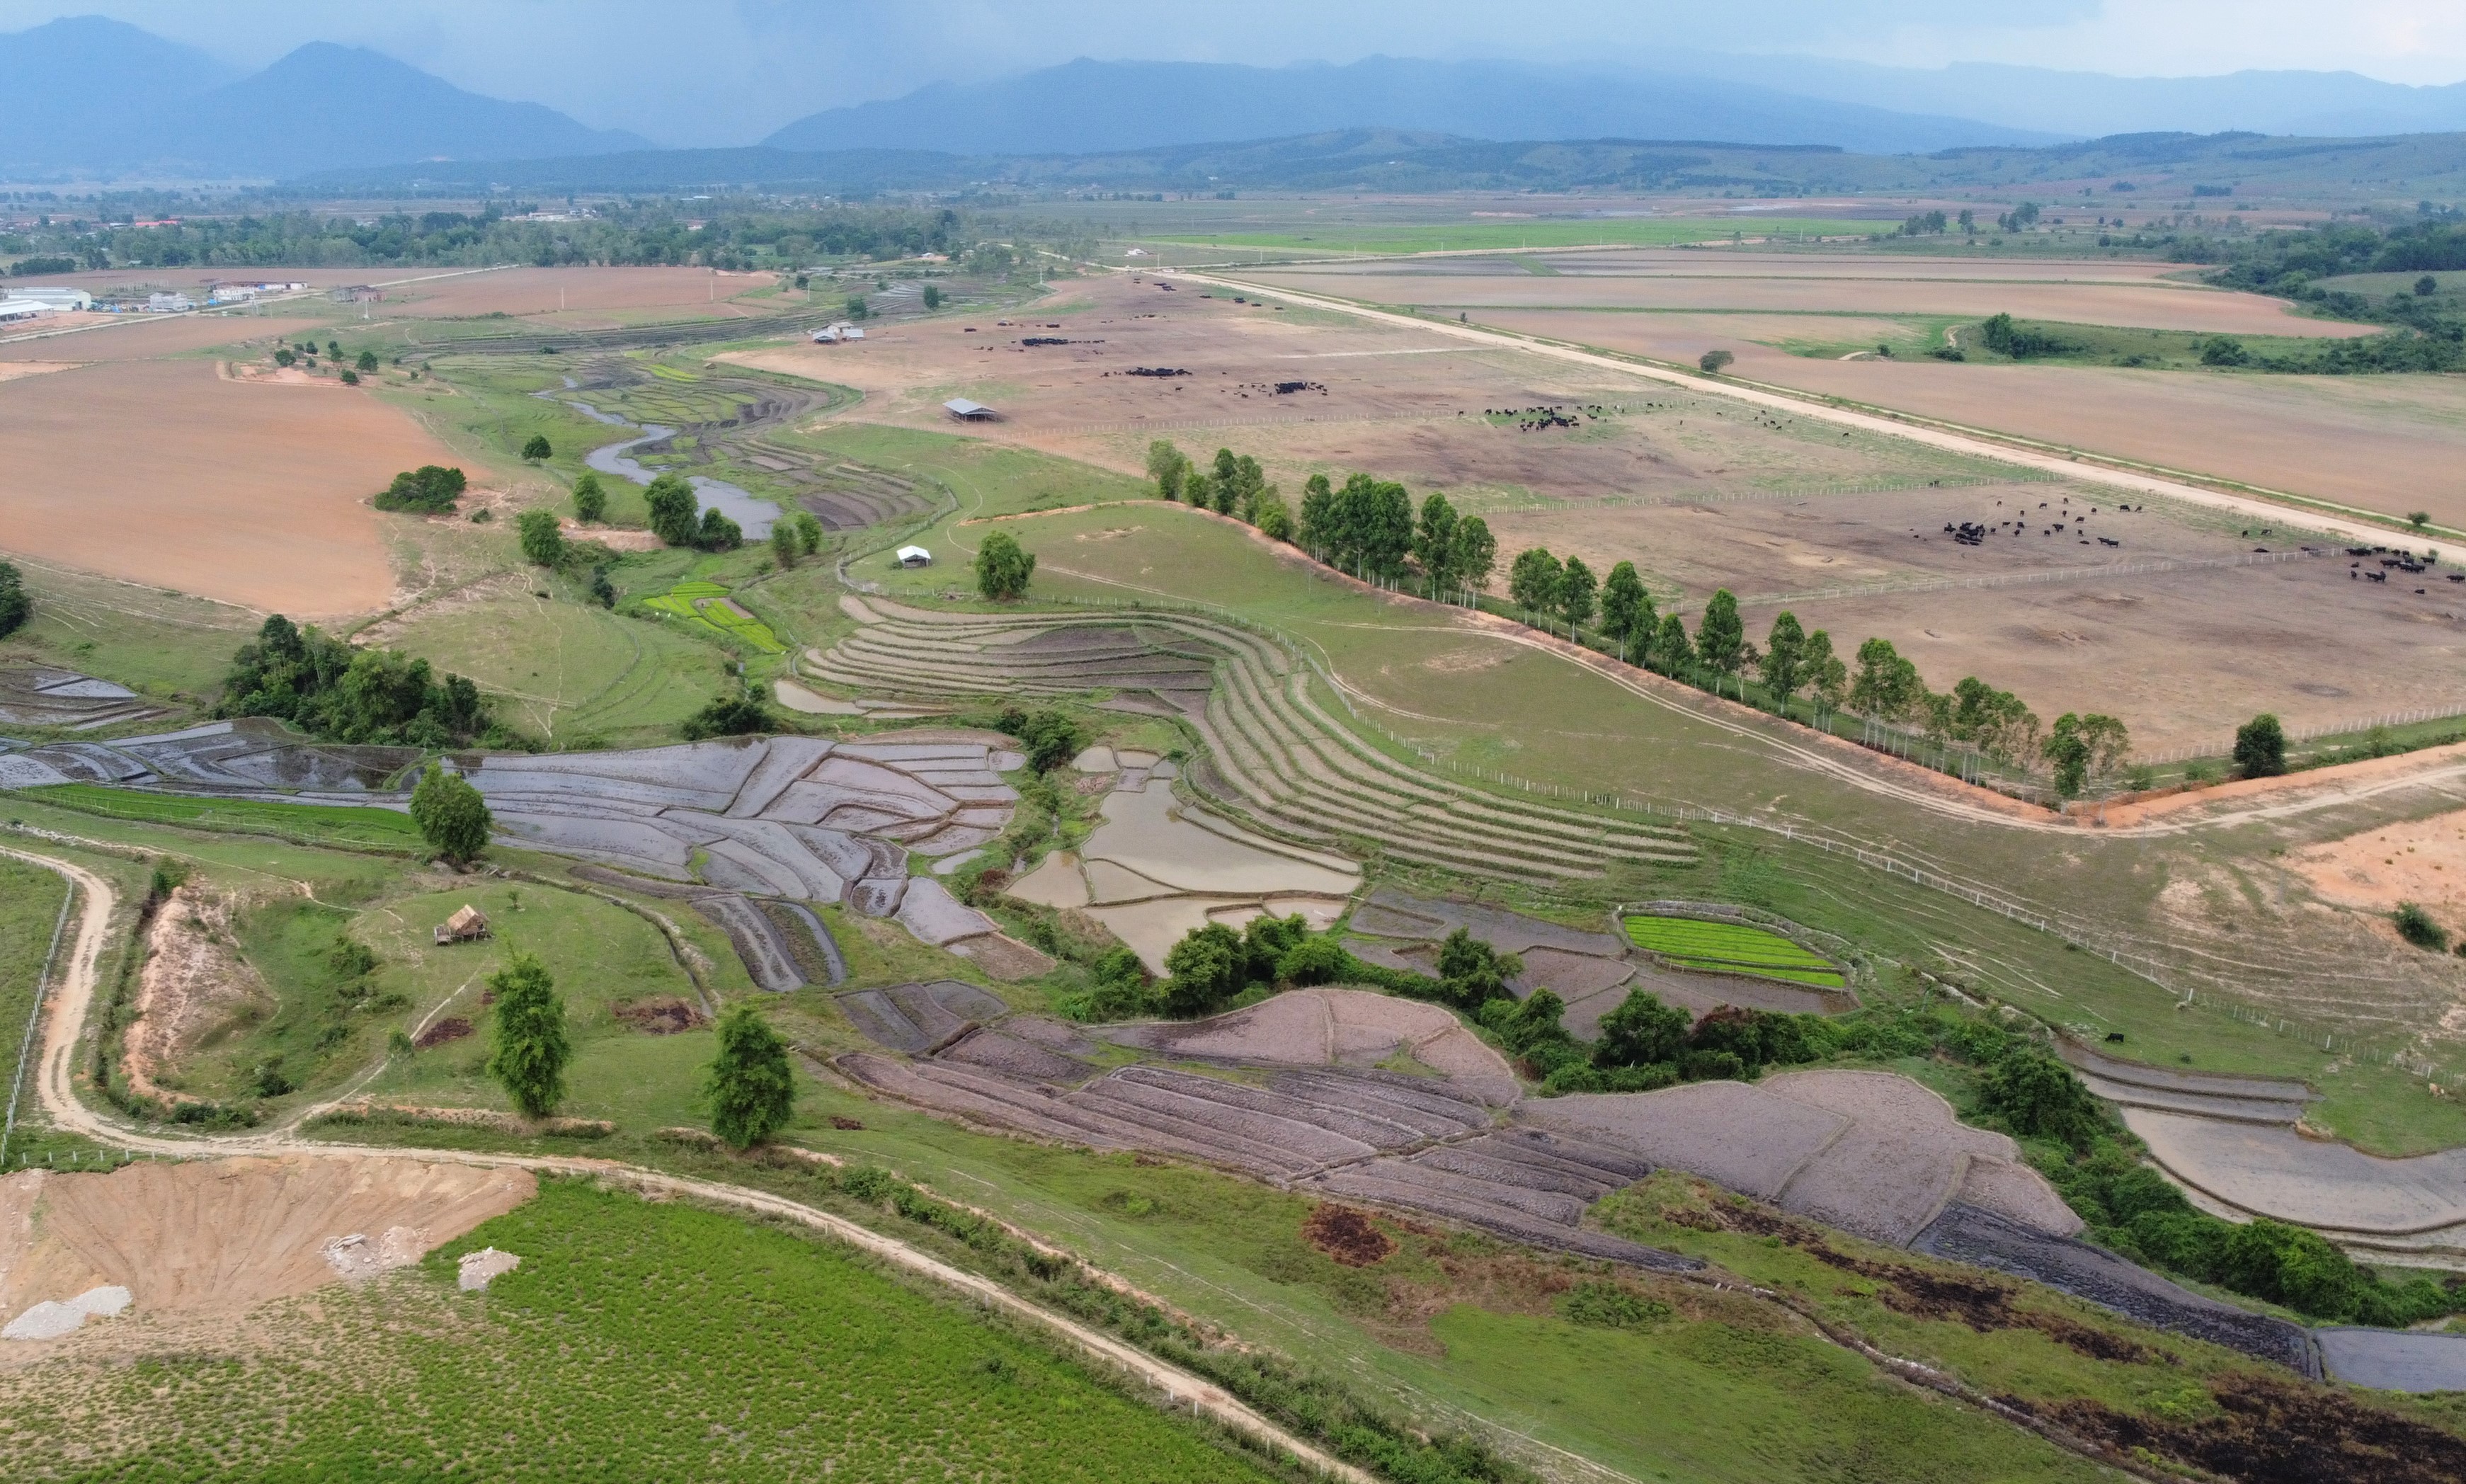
(32,696)
(1731,948)
(707,605)
(1276,753)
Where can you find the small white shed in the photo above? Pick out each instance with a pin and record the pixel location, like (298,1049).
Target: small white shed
(915,556)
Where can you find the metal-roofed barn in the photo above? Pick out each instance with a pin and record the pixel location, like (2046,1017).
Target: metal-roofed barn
(965,411)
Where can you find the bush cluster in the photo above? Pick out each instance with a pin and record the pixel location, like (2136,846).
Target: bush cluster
(430,489)
(341,695)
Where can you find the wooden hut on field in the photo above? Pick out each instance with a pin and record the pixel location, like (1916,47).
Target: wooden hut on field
(467,925)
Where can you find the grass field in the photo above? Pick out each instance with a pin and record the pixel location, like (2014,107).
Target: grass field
(636,1341)
(2158,349)
(1462,236)
(567,669)
(159,643)
(381,830)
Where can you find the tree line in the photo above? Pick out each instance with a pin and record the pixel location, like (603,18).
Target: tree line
(1367,526)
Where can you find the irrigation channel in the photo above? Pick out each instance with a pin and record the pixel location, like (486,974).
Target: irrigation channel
(752,514)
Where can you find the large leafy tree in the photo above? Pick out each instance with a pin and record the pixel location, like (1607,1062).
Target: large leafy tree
(15,605)
(1577,589)
(451,814)
(2260,746)
(328,689)
(1004,567)
(1533,581)
(1887,687)
(1627,607)
(1476,552)
(1785,658)
(531,1049)
(751,1091)
(1828,679)
(1204,970)
(542,539)
(1434,541)
(1641,1031)
(1720,634)
(1169,466)
(675,513)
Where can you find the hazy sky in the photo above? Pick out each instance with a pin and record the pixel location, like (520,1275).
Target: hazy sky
(723,72)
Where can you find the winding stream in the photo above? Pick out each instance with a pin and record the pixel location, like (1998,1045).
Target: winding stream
(750,512)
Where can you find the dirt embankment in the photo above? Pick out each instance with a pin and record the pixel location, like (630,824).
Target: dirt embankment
(2422,861)
(194,983)
(221,1236)
(2341,775)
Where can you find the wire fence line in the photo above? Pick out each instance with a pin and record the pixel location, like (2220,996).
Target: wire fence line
(2447,710)
(34,1019)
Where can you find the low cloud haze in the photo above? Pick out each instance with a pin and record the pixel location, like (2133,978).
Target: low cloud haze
(723,72)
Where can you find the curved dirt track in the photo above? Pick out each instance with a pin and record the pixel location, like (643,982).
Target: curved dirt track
(74,998)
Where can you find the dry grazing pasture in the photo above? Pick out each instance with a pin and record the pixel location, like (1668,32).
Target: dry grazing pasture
(1799,283)
(580,298)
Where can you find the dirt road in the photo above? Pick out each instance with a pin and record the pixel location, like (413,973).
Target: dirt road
(74,998)
(1805,405)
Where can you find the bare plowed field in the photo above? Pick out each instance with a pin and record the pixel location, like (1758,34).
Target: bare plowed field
(160,472)
(1790,288)
(530,291)
(1727,263)
(137,337)
(2385,443)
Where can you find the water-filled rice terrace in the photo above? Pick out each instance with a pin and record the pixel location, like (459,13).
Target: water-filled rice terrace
(707,605)
(1731,948)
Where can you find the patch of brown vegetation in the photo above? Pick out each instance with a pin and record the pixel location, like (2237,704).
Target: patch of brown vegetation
(194,983)
(663,1015)
(842,1121)
(1347,1235)
(2273,1431)
(453,1027)
(1985,1304)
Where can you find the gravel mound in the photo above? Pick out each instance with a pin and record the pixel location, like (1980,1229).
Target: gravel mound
(476,1270)
(54,1317)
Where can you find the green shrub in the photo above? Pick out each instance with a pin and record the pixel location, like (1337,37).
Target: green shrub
(1609,1306)
(2416,927)
(430,489)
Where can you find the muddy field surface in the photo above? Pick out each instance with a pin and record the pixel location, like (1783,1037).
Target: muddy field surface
(2274,1170)
(224,1235)
(254,495)
(2376,443)
(1786,286)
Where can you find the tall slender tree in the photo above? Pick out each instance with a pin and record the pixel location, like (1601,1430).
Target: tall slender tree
(1672,654)
(1533,582)
(1577,588)
(1785,658)
(531,1048)
(1627,607)
(1434,541)
(1720,635)
(751,1091)
(1476,554)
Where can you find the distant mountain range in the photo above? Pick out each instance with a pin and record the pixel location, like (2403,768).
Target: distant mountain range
(92,95)
(1085,108)
(88,93)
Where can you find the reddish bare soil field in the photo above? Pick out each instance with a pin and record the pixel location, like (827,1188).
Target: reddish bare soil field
(164,473)
(2387,444)
(130,337)
(528,291)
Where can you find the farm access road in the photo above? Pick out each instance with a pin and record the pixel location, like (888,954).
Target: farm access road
(2089,467)
(55,1083)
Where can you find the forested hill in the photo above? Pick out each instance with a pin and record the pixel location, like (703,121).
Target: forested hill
(2206,171)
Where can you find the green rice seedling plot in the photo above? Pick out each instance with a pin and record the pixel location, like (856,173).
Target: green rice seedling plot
(1690,943)
(636,1341)
(1451,236)
(382,829)
(707,605)
(570,669)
